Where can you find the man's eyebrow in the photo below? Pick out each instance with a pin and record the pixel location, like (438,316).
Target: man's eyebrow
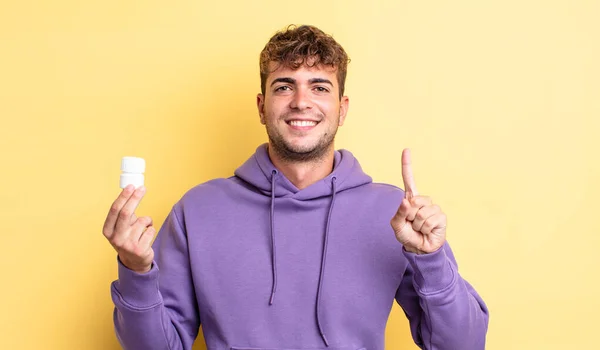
(293,81)
(284,80)
(320,80)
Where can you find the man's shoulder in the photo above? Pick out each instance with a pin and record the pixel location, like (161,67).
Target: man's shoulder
(379,192)
(382,188)
(208,191)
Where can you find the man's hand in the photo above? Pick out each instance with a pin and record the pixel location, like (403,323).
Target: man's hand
(130,236)
(419,224)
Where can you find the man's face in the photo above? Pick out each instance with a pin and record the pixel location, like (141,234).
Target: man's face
(302,111)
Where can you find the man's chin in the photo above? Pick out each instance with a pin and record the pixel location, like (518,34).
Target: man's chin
(300,149)
(304,153)
(305,149)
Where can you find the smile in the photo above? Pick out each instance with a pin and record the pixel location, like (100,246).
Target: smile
(302,123)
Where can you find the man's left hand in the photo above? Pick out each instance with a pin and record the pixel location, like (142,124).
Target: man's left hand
(419,224)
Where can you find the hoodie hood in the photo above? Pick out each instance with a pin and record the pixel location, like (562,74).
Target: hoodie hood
(260,172)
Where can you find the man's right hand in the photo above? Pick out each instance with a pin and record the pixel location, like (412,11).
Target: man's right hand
(129,235)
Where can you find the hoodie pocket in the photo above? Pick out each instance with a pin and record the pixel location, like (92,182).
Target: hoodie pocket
(242,348)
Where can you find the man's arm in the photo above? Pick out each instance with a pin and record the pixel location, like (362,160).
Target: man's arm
(444,311)
(157,309)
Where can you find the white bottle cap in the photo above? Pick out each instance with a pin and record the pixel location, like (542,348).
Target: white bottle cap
(133,169)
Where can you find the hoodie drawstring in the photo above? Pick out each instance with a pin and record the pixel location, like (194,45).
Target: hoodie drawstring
(323,257)
(273,249)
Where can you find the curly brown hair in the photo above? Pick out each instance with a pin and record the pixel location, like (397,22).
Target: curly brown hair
(304,45)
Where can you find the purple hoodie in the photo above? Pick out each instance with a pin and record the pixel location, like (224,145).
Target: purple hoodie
(263,265)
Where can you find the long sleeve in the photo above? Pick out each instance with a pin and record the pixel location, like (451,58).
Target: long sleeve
(158,309)
(445,312)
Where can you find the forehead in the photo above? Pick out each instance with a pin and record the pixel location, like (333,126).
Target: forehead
(304,72)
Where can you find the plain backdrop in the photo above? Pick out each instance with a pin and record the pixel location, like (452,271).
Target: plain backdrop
(499,102)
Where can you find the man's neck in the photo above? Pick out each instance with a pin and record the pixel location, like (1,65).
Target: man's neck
(304,174)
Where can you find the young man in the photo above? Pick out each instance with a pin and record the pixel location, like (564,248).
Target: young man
(299,249)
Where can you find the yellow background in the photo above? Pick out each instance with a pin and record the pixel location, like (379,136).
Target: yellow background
(498,100)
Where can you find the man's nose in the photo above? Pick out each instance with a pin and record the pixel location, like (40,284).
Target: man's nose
(301,100)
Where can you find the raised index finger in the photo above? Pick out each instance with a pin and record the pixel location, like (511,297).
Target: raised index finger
(410,188)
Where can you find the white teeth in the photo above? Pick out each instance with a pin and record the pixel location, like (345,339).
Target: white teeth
(303,123)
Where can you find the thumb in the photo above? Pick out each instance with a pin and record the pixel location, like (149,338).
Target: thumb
(401,217)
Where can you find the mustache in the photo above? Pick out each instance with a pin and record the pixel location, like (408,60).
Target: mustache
(290,115)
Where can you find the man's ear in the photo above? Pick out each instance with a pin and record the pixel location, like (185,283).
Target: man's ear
(344,105)
(260,103)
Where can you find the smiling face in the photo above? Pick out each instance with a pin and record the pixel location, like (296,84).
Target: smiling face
(301,109)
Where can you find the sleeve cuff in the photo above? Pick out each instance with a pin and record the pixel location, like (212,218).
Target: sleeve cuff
(433,272)
(140,290)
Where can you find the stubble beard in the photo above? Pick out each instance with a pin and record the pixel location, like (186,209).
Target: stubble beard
(293,154)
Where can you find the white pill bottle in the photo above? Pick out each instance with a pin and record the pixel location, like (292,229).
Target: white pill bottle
(132,169)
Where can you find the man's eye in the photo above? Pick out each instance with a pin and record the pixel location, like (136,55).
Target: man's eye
(321,89)
(282,88)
